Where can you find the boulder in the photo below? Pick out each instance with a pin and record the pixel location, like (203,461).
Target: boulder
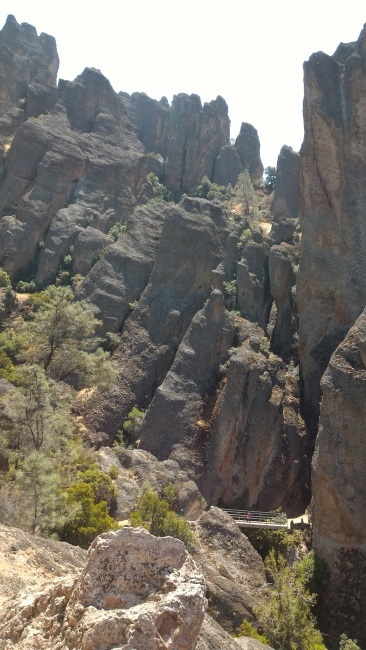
(136,591)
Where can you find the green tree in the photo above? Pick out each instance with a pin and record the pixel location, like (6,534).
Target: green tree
(244,191)
(61,335)
(36,415)
(270,177)
(247,629)
(286,619)
(4,279)
(42,503)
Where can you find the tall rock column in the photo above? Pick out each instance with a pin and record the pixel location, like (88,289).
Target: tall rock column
(331,285)
(339,488)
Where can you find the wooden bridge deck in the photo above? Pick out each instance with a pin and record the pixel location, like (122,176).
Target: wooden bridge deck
(258,519)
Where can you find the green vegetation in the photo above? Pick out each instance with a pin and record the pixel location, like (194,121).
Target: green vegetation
(49,350)
(270,177)
(4,279)
(213,192)
(247,629)
(244,192)
(159,191)
(116,231)
(286,619)
(347,644)
(155,514)
(230,295)
(131,427)
(279,541)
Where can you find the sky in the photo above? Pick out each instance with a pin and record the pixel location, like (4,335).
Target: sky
(250,52)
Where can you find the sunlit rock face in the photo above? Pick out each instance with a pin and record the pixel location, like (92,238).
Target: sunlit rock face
(331,285)
(136,591)
(339,486)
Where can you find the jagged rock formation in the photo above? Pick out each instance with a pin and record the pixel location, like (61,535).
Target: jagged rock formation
(191,245)
(286,200)
(234,159)
(256,452)
(339,487)
(29,65)
(180,402)
(252,279)
(282,261)
(136,590)
(331,288)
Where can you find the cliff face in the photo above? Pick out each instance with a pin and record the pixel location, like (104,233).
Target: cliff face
(331,287)
(339,486)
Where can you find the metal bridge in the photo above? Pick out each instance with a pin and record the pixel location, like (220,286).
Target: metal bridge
(257,519)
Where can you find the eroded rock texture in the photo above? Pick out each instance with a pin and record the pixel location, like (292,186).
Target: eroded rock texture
(331,286)
(256,451)
(234,159)
(339,487)
(286,200)
(136,591)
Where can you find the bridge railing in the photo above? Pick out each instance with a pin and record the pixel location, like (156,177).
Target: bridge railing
(256,516)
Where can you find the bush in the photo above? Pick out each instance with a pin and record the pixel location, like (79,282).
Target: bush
(347,644)
(154,514)
(91,520)
(4,279)
(279,541)
(247,629)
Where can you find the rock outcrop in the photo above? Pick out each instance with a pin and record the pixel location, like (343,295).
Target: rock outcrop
(234,159)
(29,65)
(339,488)
(282,261)
(233,570)
(286,200)
(136,591)
(331,288)
(256,451)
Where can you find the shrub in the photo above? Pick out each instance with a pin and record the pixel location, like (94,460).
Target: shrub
(247,629)
(4,279)
(347,644)
(91,520)
(154,514)
(116,231)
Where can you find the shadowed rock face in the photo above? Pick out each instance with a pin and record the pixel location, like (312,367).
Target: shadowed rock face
(331,288)
(256,451)
(29,65)
(234,159)
(78,166)
(286,200)
(339,486)
(136,590)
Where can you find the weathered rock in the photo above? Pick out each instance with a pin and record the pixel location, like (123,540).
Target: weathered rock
(137,467)
(252,279)
(136,591)
(120,277)
(212,637)
(281,263)
(83,159)
(191,245)
(179,414)
(152,121)
(233,570)
(339,488)
(87,248)
(331,290)
(29,65)
(248,146)
(256,455)
(228,166)
(198,133)
(29,563)
(286,200)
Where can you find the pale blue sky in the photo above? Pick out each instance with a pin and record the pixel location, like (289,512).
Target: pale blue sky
(249,52)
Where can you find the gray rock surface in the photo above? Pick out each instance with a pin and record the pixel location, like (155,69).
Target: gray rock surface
(178,417)
(286,199)
(248,146)
(213,637)
(339,488)
(191,245)
(256,449)
(136,591)
(252,280)
(281,263)
(331,289)
(233,570)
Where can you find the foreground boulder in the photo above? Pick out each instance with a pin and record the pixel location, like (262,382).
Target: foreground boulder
(137,591)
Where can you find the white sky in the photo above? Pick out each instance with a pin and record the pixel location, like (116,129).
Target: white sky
(249,52)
